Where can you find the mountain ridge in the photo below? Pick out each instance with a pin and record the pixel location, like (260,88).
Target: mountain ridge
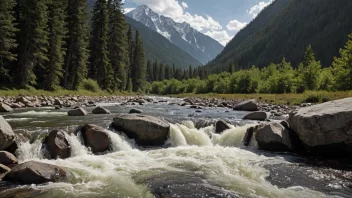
(200,46)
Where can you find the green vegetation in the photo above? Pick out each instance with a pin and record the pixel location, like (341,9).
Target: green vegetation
(285,29)
(279,78)
(52,46)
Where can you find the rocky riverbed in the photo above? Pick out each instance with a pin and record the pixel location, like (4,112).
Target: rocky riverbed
(165,147)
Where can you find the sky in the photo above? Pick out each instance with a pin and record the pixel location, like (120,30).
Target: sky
(219,19)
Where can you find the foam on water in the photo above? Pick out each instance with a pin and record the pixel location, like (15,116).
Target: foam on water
(40,113)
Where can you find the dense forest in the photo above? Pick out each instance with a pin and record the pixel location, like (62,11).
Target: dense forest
(51,44)
(284,29)
(275,78)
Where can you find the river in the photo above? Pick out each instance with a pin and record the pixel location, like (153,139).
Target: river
(193,162)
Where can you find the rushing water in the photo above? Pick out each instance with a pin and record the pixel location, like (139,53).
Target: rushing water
(195,162)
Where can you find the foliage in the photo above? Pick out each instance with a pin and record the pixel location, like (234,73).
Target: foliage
(89,85)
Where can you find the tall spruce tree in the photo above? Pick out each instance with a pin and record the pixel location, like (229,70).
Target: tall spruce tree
(161,72)
(309,70)
(149,71)
(33,40)
(75,68)
(131,46)
(342,67)
(118,45)
(100,68)
(139,68)
(7,38)
(56,53)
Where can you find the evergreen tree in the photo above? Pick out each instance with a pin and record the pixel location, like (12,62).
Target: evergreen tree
(75,68)
(156,70)
(100,67)
(118,46)
(7,38)
(167,72)
(149,71)
(161,72)
(139,68)
(190,71)
(56,53)
(131,46)
(32,38)
(342,67)
(310,70)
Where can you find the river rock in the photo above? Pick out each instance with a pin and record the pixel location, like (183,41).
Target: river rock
(273,137)
(325,129)
(136,111)
(249,105)
(7,136)
(221,126)
(33,172)
(100,110)
(58,144)
(3,169)
(77,112)
(96,138)
(258,115)
(7,158)
(5,108)
(146,130)
(22,100)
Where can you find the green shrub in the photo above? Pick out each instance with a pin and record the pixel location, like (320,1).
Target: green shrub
(89,85)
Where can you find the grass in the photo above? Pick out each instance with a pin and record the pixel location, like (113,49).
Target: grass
(290,99)
(61,92)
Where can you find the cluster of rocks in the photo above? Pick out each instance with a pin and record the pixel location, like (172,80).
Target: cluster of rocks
(240,105)
(7,103)
(146,130)
(320,130)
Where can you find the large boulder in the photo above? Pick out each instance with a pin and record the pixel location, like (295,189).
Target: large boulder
(146,130)
(20,138)
(249,105)
(7,158)
(3,169)
(7,136)
(221,126)
(58,144)
(33,172)
(325,129)
(96,138)
(100,110)
(258,115)
(273,137)
(5,108)
(77,112)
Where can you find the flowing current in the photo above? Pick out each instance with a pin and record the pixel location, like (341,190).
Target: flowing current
(193,163)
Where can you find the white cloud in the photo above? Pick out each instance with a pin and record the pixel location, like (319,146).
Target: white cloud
(175,10)
(127,10)
(256,9)
(221,36)
(235,25)
(184,5)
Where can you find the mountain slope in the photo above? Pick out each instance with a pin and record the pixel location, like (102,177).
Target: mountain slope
(285,29)
(201,47)
(158,47)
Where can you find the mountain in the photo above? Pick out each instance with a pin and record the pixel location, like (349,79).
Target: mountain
(285,29)
(158,47)
(201,47)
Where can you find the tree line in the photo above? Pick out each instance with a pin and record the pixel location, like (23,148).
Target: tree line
(51,44)
(276,78)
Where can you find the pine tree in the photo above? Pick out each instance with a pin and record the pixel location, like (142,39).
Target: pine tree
(100,68)
(310,70)
(161,72)
(118,45)
(139,68)
(75,68)
(149,71)
(57,30)
(190,71)
(167,73)
(342,67)
(7,38)
(156,70)
(33,40)
(131,46)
